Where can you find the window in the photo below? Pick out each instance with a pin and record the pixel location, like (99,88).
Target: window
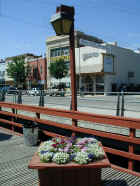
(2,73)
(58,52)
(64,51)
(131,74)
(108,63)
(53,53)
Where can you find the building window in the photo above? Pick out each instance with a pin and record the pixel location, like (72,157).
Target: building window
(131,74)
(64,51)
(68,64)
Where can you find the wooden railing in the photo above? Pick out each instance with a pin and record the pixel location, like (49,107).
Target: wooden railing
(132,124)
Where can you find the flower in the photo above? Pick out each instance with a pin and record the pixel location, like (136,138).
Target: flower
(65,150)
(61,158)
(46,157)
(81,158)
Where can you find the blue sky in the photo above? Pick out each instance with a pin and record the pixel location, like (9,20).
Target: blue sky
(25,24)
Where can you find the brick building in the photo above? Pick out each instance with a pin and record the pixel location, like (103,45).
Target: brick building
(38,73)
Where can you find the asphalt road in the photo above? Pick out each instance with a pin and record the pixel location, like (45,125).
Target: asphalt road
(99,104)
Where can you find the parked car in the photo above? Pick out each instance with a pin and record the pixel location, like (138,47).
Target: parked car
(9,90)
(34,92)
(12,90)
(56,92)
(4,89)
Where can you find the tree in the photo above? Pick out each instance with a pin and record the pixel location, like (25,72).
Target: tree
(28,72)
(17,70)
(58,69)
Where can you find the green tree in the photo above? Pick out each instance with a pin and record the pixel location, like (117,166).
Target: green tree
(17,70)
(58,69)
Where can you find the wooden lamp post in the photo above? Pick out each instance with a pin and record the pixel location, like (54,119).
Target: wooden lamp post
(63,24)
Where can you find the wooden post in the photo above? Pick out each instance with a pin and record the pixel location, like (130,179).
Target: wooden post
(131,149)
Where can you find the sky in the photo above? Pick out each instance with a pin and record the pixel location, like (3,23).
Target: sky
(25,24)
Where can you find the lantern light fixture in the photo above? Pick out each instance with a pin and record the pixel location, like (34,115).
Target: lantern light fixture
(62,21)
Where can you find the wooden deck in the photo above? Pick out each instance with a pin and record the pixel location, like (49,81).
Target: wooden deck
(15,157)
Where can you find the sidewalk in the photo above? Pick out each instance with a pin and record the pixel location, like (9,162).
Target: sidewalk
(15,157)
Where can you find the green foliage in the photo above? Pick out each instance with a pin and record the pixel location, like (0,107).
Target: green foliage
(28,71)
(58,69)
(17,70)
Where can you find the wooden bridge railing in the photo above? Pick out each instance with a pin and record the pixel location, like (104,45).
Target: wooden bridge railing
(132,124)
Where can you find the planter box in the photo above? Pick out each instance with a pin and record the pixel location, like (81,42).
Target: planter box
(71,174)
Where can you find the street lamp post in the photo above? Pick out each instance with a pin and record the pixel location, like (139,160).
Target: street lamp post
(63,24)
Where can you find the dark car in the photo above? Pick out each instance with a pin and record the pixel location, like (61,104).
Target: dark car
(123,89)
(12,90)
(4,89)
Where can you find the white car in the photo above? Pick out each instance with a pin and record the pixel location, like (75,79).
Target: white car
(56,92)
(34,92)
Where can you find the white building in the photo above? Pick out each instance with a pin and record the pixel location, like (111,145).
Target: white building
(105,65)
(100,66)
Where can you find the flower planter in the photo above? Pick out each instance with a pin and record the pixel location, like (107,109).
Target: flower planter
(69,174)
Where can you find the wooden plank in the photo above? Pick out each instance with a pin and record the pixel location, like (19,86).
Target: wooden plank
(98,118)
(11,123)
(52,134)
(129,155)
(109,135)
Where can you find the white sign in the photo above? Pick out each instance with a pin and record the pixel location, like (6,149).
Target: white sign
(108,63)
(89,55)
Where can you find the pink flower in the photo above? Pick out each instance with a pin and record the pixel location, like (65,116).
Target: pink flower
(54,145)
(84,149)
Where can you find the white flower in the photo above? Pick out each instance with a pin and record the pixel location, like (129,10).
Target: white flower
(46,157)
(81,157)
(99,154)
(60,158)
(47,146)
(96,150)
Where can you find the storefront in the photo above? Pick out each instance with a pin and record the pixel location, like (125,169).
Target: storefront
(99,65)
(58,48)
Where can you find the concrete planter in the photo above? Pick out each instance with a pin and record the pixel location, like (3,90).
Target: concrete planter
(30,134)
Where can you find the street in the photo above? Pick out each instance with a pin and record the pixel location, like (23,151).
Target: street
(98,104)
